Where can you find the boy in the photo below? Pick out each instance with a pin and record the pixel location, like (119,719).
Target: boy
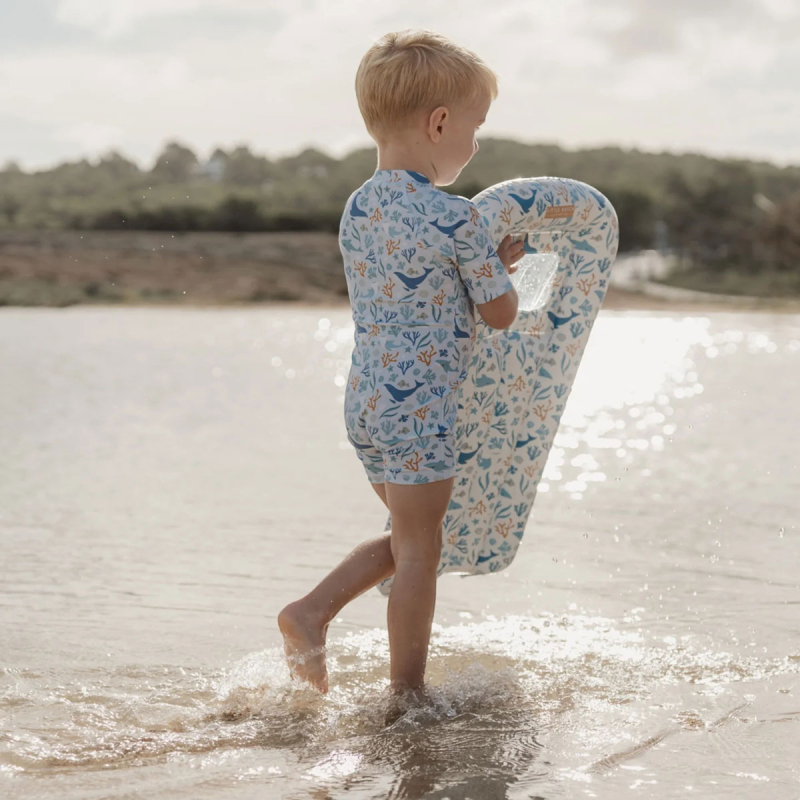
(416,261)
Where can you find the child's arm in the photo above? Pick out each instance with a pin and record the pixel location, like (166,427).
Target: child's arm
(485,270)
(502,311)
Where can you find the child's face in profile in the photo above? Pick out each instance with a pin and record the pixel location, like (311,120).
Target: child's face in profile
(457,144)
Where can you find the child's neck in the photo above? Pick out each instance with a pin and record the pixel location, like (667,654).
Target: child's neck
(404,156)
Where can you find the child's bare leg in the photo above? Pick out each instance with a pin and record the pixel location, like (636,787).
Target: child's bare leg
(416,543)
(304,623)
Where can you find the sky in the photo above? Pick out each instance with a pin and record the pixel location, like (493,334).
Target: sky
(81,77)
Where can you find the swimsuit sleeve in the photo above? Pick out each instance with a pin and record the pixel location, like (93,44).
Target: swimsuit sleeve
(481,269)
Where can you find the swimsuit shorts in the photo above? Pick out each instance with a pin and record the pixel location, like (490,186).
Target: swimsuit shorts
(411,461)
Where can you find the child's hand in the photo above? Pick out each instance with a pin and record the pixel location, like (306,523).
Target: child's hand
(510,252)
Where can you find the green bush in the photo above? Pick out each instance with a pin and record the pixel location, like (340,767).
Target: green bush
(700,207)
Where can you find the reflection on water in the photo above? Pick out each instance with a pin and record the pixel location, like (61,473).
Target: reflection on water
(172,478)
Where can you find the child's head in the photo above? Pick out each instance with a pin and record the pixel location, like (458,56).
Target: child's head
(420,92)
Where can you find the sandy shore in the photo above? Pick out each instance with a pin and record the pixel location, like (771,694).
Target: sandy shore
(61,268)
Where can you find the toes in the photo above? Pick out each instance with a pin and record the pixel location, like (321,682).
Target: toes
(308,666)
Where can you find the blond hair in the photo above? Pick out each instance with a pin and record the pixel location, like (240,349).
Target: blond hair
(411,71)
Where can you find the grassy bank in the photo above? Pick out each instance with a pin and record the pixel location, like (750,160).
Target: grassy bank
(59,268)
(765,284)
(63,268)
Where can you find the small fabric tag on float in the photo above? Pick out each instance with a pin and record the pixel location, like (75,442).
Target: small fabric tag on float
(559,212)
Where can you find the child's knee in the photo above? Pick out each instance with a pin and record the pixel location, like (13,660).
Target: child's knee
(413,539)
(424,559)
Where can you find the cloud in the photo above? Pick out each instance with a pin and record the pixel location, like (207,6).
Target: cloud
(657,28)
(20,137)
(91,136)
(688,75)
(111,18)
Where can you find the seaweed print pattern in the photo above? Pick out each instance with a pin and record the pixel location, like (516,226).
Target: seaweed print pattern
(414,258)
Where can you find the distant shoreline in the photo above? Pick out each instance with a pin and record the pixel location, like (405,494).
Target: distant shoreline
(66,268)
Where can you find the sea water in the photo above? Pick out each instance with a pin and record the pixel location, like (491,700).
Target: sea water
(171,478)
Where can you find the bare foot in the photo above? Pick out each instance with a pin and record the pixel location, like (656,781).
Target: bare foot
(402,699)
(304,645)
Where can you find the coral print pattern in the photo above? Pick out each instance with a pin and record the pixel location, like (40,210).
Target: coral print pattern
(518,380)
(415,259)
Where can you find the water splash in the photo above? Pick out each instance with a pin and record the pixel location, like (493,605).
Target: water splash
(516,700)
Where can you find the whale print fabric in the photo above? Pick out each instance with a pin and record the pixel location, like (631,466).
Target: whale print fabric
(415,259)
(518,380)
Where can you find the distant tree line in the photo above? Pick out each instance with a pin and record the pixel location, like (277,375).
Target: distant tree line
(717,214)
(233,214)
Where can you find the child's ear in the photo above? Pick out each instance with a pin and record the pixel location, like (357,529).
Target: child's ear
(436,122)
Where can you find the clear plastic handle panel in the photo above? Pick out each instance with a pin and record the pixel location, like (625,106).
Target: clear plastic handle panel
(533,279)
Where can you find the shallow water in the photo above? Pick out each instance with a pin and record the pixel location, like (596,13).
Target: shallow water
(170,478)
